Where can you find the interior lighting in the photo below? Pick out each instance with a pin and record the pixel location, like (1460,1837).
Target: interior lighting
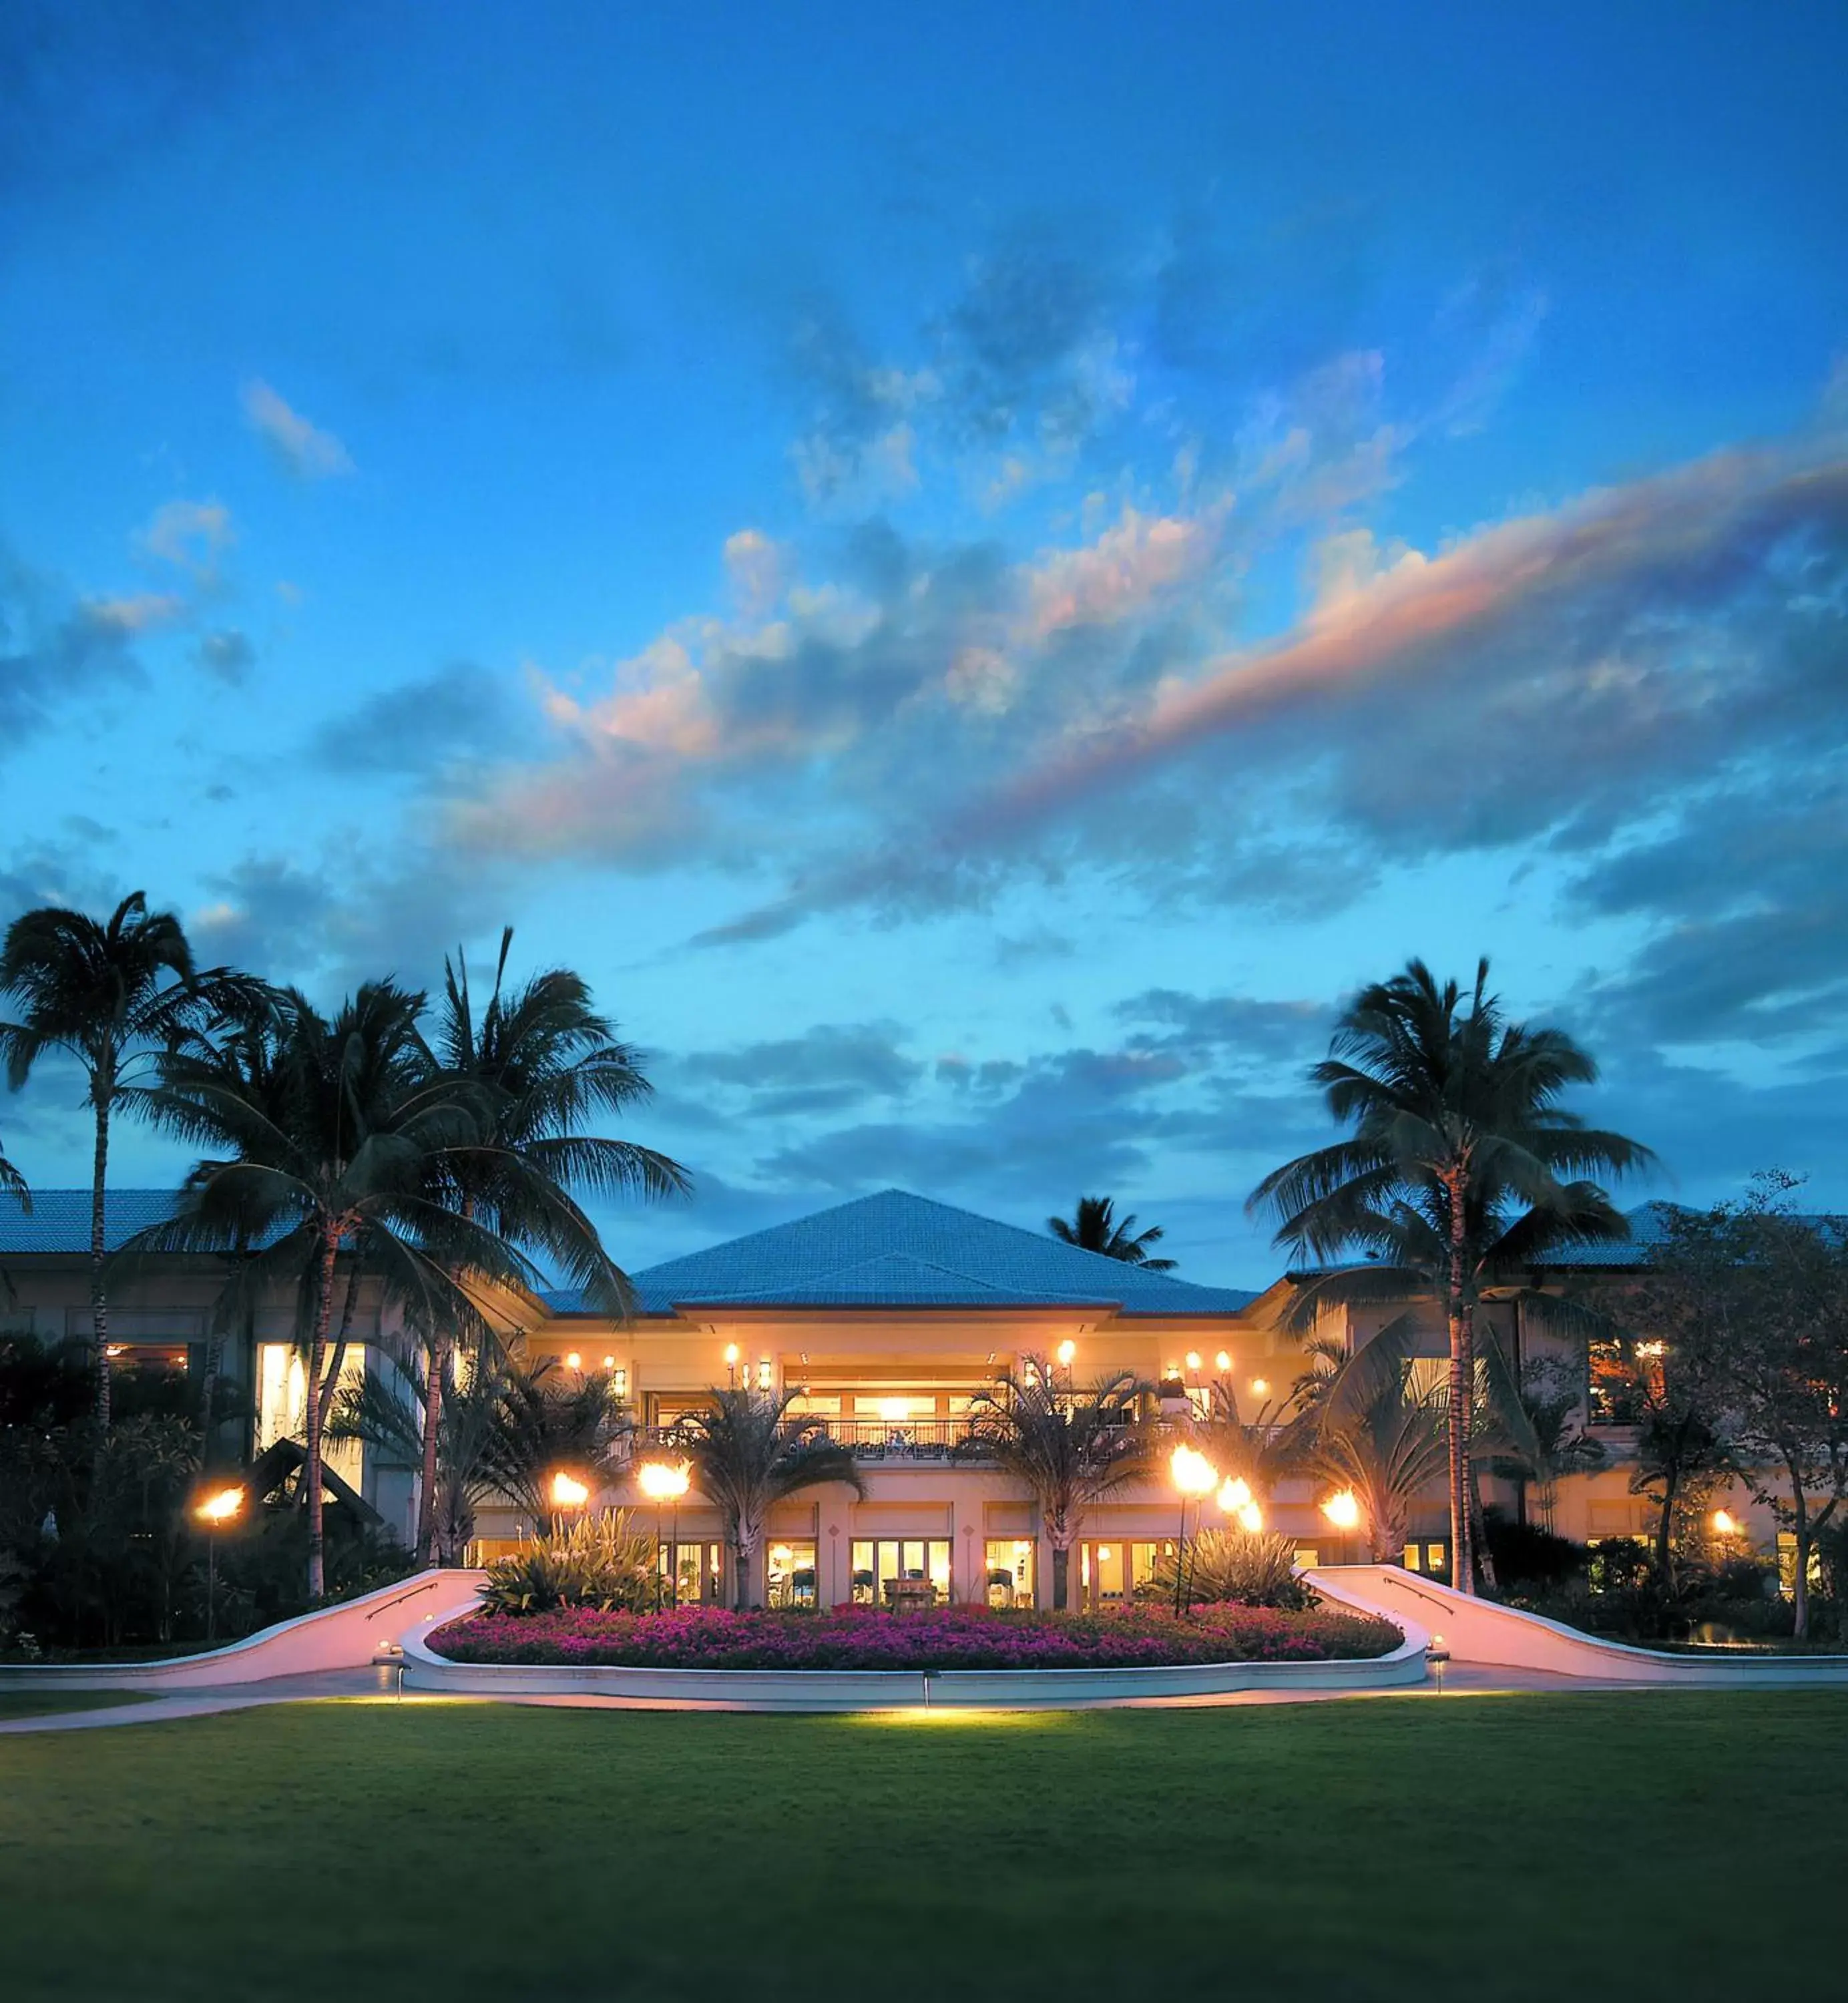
(894,1411)
(766,1373)
(731,1356)
(1343,1510)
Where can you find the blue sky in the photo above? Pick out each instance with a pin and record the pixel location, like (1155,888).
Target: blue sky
(975,570)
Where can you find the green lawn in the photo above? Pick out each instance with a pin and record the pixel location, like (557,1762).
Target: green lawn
(40,1703)
(1619,1846)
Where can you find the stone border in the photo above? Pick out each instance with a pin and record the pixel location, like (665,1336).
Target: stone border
(890,1690)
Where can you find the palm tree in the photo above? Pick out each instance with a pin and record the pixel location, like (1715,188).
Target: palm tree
(1462,1171)
(544,1419)
(744,1454)
(546,1061)
(111,995)
(1096,1227)
(1387,1446)
(1069,1452)
(329,1136)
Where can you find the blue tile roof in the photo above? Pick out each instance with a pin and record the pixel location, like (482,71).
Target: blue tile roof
(898,1250)
(60,1218)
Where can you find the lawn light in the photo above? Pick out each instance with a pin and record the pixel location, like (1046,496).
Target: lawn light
(1343,1510)
(216,1510)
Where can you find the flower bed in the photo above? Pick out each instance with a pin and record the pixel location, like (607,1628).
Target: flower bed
(952,1638)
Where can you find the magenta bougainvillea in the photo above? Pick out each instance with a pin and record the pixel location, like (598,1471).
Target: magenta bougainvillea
(950,1637)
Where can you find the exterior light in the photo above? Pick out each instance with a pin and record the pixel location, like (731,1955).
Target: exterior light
(1194,1359)
(1170,1370)
(608,1362)
(220,1507)
(1652,1349)
(1260,1387)
(1250,1519)
(1343,1510)
(113,1350)
(574,1362)
(1235,1494)
(620,1380)
(568,1492)
(1223,1361)
(894,1411)
(1067,1349)
(1194,1473)
(661,1481)
(731,1355)
(766,1373)
(1725,1523)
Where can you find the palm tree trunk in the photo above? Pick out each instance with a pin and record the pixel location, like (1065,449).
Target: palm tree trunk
(1061,1577)
(337,1362)
(745,1545)
(311,1473)
(426,1501)
(99,1300)
(1462,1370)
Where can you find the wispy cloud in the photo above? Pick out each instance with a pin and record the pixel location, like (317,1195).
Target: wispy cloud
(308,452)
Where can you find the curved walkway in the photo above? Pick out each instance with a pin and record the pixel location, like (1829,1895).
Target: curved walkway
(372,1648)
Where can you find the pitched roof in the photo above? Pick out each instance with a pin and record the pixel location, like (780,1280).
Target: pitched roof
(60,1218)
(898,1250)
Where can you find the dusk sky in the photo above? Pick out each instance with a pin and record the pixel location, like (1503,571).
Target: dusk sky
(975,569)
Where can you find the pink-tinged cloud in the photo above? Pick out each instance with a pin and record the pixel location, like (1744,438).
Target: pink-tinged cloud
(1677,544)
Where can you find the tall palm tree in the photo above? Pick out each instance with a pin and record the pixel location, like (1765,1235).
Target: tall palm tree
(1069,1452)
(111,994)
(1094,1227)
(546,1418)
(1461,1170)
(545,1061)
(329,1135)
(744,1454)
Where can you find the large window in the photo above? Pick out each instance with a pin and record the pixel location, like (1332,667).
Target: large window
(1009,1563)
(901,1572)
(1612,1397)
(1111,1574)
(282,1403)
(789,1572)
(695,1571)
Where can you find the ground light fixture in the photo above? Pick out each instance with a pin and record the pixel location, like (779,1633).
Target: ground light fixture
(1195,1477)
(662,1482)
(217,1509)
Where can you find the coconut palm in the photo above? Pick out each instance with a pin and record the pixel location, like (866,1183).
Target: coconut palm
(1094,1227)
(110,993)
(1462,1171)
(329,1135)
(745,1453)
(1069,1452)
(546,1062)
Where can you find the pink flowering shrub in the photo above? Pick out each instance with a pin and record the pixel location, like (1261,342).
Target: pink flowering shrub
(947,1638)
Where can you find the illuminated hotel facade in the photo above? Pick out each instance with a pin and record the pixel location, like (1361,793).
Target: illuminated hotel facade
(882,1318)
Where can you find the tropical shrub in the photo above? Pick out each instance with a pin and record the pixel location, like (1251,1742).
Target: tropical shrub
(1236,1566)
(601,1562)
(951,1638)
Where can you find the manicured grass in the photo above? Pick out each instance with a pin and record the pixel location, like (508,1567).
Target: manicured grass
(41,1704)
(1631,1846)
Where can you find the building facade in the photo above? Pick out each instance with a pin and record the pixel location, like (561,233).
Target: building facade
(882,1318)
